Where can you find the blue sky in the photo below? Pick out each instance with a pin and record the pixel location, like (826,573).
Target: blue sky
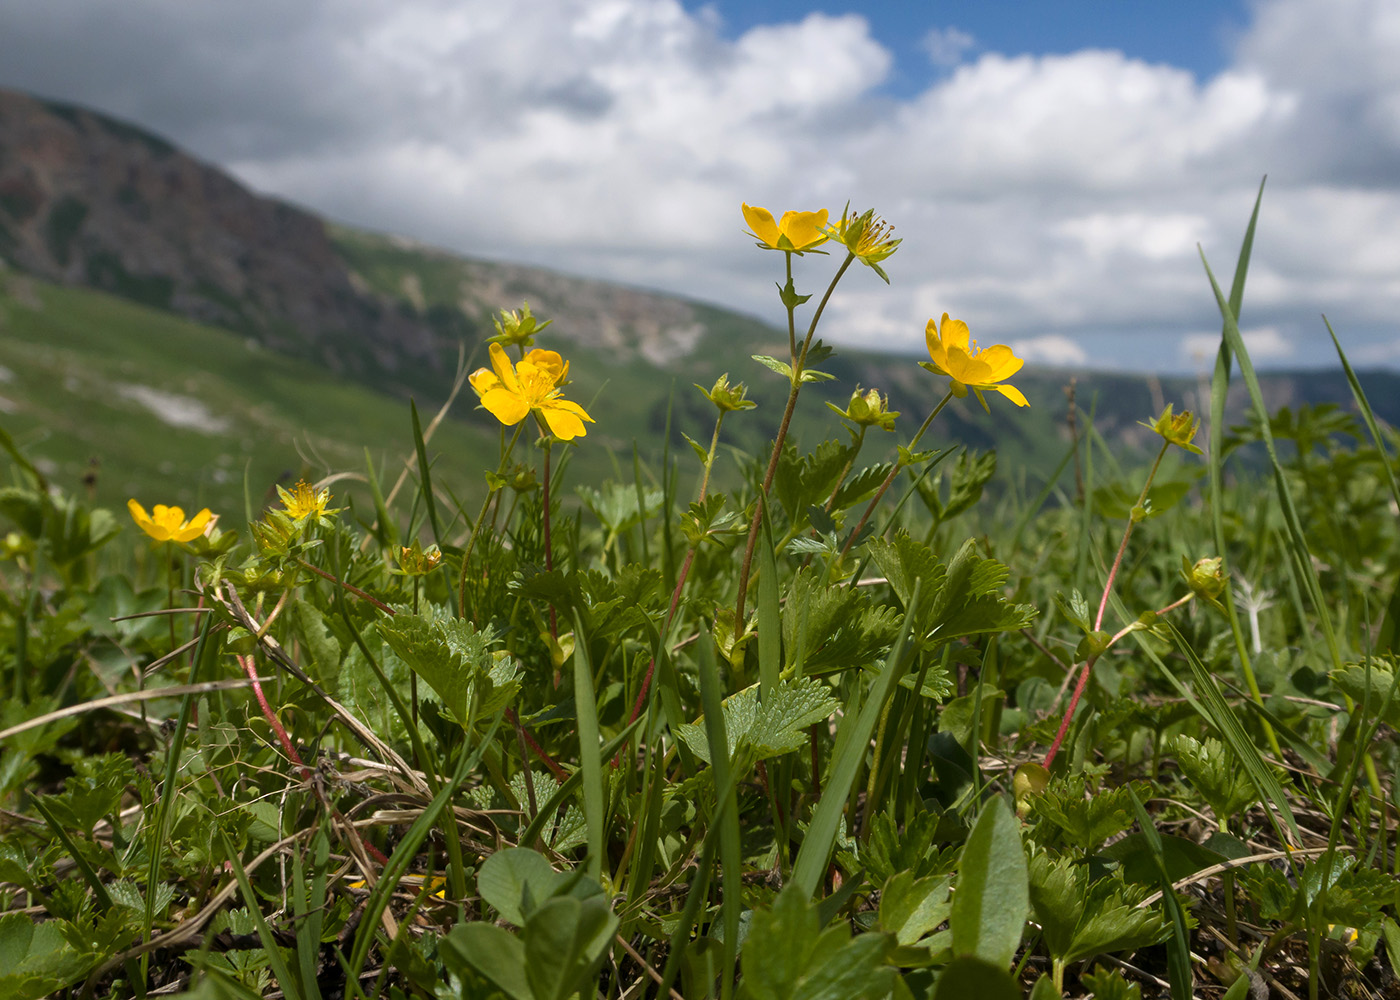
(1197,35)
(1055,174)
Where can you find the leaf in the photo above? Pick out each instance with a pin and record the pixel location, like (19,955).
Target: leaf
(565,941)
(1214,775)
(492,951)
(770,728)
(912,908)
(787,956)
(992,901)
(964,598)
(774,365)
(1087,819)
(35,958)
(1109,984)
(1182,857)
(517,880)
(455,659)
(832,626)
(966,977)
(1080,918)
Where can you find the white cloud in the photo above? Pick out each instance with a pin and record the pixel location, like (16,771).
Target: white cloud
(1051,349)
(1264,343)
(1050,201)
(946,46)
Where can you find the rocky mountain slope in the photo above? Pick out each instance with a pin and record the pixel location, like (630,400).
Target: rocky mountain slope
(91,201)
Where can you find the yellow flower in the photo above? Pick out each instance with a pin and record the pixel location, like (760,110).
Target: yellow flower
(510,393)
(955,354)
(867,237)
(798,231)
(302,501)
(168,524)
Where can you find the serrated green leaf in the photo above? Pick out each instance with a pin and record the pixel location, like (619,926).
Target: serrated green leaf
(770,728)
(455,660)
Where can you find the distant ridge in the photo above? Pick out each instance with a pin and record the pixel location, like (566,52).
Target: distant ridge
(92,201)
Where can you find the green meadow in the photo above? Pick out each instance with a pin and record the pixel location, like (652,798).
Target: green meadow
(990,699)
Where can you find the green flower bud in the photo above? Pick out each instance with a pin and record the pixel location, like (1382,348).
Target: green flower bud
(868,409)
(1177,429)
(1206,579)
(728,398)
(517,329)
(414,560)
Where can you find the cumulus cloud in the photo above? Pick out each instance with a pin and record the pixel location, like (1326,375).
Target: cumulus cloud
(1264,344)
(1052,201)
(1052,349)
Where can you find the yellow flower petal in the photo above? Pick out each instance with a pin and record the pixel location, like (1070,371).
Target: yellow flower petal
(483,380)
(504,370)
(196,526)
(954,333)
(1001,360)
(761,222)
(506,406)
(1012,393)
(804,229)
(562,424)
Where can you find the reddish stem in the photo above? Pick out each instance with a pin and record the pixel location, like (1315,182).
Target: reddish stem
(349,587)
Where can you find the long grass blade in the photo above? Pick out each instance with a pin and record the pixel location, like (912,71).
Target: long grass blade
(849,754)
(1296,535)
(589,755)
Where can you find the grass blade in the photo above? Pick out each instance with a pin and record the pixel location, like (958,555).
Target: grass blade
(1366,413)
(846,761)
(1179,947)
(589,754)
(1296,536)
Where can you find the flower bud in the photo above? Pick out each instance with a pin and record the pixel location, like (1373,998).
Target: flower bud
(868,409)
(1177,429)
(728,398)
(414,560)
(1206,579)
(517,329)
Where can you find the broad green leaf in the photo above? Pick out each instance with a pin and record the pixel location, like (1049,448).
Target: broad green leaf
(517,880)
(991,902)
(36,959)
(1088,818)
(912,908)
(966,977)
(565,941)
(787,956)
(770,728)
(492,951)
(1213,774)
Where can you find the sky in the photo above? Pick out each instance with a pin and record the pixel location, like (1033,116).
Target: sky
(1055,168)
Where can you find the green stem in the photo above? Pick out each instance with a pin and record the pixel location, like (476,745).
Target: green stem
(880,493)
(481,518)
(799,359)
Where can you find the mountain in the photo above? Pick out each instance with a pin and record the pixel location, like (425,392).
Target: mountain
(91,205)
(87,200)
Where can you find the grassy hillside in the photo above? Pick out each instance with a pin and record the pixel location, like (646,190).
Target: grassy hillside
(171,411)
